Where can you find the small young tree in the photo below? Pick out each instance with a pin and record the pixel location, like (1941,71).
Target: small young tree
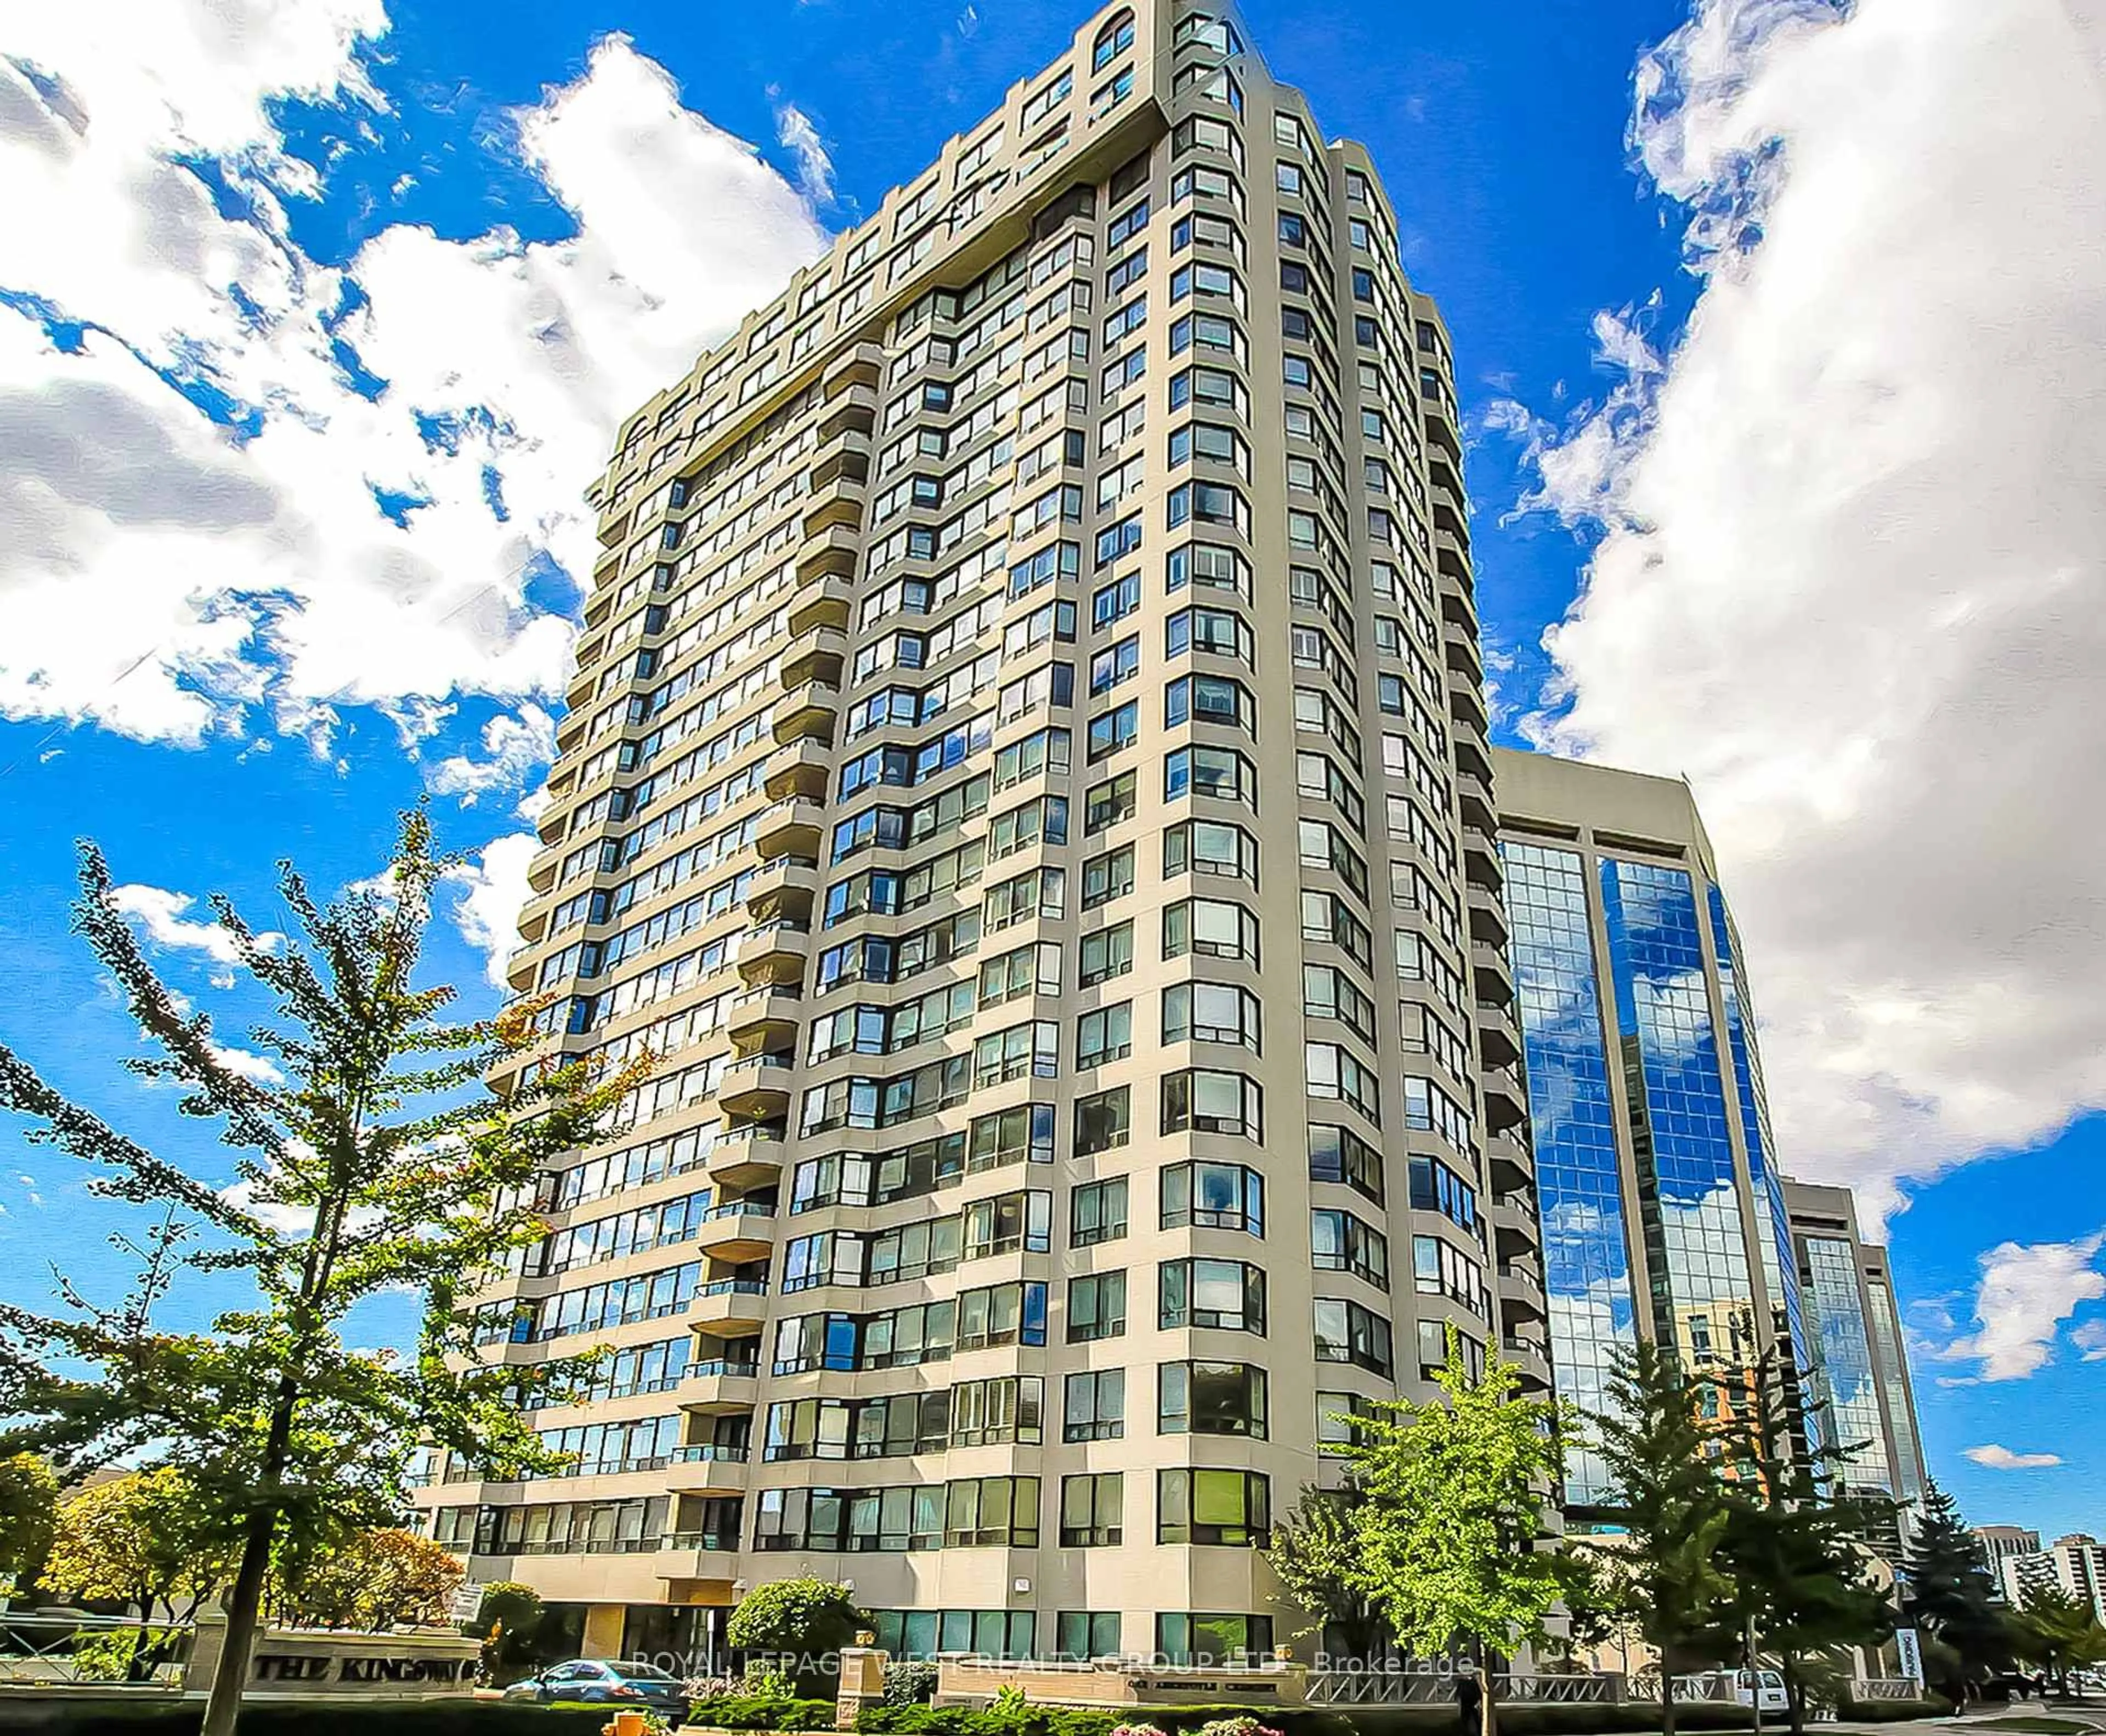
(1795,1543)
(505,1622)
(372,1163)
(1450,1519)
(1952,1598)
(28,1509)
(1669,1511)
(2058,1631)
(1316,1557)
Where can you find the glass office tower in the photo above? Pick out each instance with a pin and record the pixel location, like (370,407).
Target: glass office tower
(1026,785)
(1659,1202)
(1861,1368)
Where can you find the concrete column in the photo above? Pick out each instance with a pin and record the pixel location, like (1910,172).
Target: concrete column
(862,1683)
(603,1626)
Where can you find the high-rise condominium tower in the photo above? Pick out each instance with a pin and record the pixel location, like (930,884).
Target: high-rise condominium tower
(1662,1212)
(1026,781)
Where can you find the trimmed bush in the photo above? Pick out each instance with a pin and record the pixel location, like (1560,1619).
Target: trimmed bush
(909,1682)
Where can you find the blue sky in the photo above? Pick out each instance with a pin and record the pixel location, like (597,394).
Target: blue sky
(1840,542)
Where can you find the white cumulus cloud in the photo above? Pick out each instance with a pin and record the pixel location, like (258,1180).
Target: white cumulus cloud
(2002,1458)
(1851,572)
(2024,1294)
(240,567)
(257,1069)
(513,747)
(160,915)
(492,890)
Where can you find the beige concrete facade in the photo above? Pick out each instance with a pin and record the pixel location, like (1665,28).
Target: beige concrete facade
(1034,660)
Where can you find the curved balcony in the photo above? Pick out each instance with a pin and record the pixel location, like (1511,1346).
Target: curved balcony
(783,887)
(1514,1230)
(730,1308)
(818,655)
(707,1469)
(800,771)
(774,952)
(765,1018)
(757,1087)
(741,1231)
(826,597)
(1511,1169)
(1531,1356)
(750,1156)
(720,1387)
(1521,1292)
(791,828)
(1499,1036)
(808,708)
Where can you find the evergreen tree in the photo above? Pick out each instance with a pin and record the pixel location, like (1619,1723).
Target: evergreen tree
(1670,1506)
(1796,1541)
(1449,1517)
(371,1162)
(1952,1597)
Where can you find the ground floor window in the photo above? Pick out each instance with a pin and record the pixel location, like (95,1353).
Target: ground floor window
(1198,1639)
(922,1633)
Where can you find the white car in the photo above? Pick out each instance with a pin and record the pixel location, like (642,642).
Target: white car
(1772,1690)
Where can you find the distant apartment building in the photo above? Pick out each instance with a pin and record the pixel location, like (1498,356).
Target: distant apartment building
(1998,1542)
(1661,1210)
(1860,1367)
(2075,1564)
(1026,785)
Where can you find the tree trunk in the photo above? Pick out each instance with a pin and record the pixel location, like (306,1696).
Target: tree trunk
(1490,1720)
(1666,1696)
(1795,1694)
(245,1603)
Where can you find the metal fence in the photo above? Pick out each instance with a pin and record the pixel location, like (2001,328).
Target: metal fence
(1376,1686)
(62,1649)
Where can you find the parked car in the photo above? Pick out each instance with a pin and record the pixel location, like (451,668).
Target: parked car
(606,1681)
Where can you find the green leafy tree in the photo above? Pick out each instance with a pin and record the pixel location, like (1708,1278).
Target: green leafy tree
(1795,1543)
(28,1509)
(146,1540)
(1598,1607)
(795,1617)
(506,1621)
(1316,1557)
(1951,1599)
(370,1163)
(2059,1632)
(1669,1509)
(372,1580)
(1450,1515)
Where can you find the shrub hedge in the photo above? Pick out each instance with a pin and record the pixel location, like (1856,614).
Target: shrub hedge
(748,1711)
(1514,1720)
(75,1714)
